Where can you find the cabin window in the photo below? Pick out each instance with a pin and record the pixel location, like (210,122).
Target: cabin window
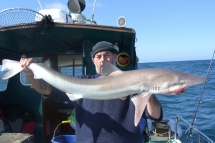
(70,65)
(72,71)
(3,83)
(24,79)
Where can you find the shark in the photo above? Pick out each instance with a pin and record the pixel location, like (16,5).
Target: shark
(113,83)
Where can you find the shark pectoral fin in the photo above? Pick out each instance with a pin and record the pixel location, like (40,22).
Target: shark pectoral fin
(140,101)
(74,97)
(11,73)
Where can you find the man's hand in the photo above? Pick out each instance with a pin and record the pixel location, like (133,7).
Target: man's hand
(39,84)
(25,62)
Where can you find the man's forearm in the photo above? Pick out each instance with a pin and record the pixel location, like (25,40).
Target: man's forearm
(154,107)
(40,85)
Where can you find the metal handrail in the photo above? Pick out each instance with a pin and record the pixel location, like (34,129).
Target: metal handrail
(200,134)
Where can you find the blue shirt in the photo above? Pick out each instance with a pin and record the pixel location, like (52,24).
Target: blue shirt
(104,121)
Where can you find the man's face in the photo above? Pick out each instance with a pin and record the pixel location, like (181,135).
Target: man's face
(102,56)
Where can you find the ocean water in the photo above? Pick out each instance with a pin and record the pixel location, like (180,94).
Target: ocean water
(186,103)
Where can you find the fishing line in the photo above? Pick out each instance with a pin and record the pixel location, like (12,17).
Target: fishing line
(194,118)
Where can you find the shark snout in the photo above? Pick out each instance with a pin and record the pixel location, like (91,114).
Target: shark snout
(196,80)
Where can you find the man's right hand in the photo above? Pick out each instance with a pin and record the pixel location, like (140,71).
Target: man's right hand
(39,84)
(25,62)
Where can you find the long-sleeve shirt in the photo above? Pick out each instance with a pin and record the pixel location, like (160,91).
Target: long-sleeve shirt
(103,121)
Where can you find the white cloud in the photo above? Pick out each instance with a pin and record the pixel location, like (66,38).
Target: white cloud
(57,5)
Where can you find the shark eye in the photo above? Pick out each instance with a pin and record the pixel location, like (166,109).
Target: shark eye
(182,82)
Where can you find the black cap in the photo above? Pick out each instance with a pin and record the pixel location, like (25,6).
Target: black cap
(103,46)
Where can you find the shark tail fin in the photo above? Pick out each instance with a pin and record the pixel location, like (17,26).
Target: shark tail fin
(13,67)
(140,101)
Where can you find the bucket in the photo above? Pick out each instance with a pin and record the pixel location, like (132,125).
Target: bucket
(64,139)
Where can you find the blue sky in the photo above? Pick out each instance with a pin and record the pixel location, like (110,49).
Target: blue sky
(167,30)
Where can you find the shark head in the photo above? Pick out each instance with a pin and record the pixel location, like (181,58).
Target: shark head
(183,81)
(161,81)
(172,82)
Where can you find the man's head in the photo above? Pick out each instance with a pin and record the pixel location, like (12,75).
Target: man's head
(103,51)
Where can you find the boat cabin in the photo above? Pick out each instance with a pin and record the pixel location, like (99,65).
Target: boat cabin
(67,44)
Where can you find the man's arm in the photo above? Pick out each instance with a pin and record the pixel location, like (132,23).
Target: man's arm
(39,85)
(154,107)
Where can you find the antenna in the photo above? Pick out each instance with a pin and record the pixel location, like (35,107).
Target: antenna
(40,4)
(93,11)
(200,99)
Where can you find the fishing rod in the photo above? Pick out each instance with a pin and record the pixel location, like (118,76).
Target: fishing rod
(194,118)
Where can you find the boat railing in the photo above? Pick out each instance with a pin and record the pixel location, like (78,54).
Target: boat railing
(199,133)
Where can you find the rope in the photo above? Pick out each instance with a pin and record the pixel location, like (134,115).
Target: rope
(56,129)
(163,127)
(194,118)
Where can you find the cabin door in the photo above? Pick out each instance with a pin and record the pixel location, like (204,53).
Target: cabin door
(50,107)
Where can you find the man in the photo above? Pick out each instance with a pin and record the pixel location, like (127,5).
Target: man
(101,121)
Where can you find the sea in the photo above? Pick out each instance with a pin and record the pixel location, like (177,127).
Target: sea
(185,104)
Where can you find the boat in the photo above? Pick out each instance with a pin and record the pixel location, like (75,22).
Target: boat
(66,40)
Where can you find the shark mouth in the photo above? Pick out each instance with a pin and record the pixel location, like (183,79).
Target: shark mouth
(179,91)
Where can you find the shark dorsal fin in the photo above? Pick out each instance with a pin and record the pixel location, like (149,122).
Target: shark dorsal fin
(109,69)
(47,63)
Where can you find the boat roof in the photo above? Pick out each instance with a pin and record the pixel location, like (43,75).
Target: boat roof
(60,36)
